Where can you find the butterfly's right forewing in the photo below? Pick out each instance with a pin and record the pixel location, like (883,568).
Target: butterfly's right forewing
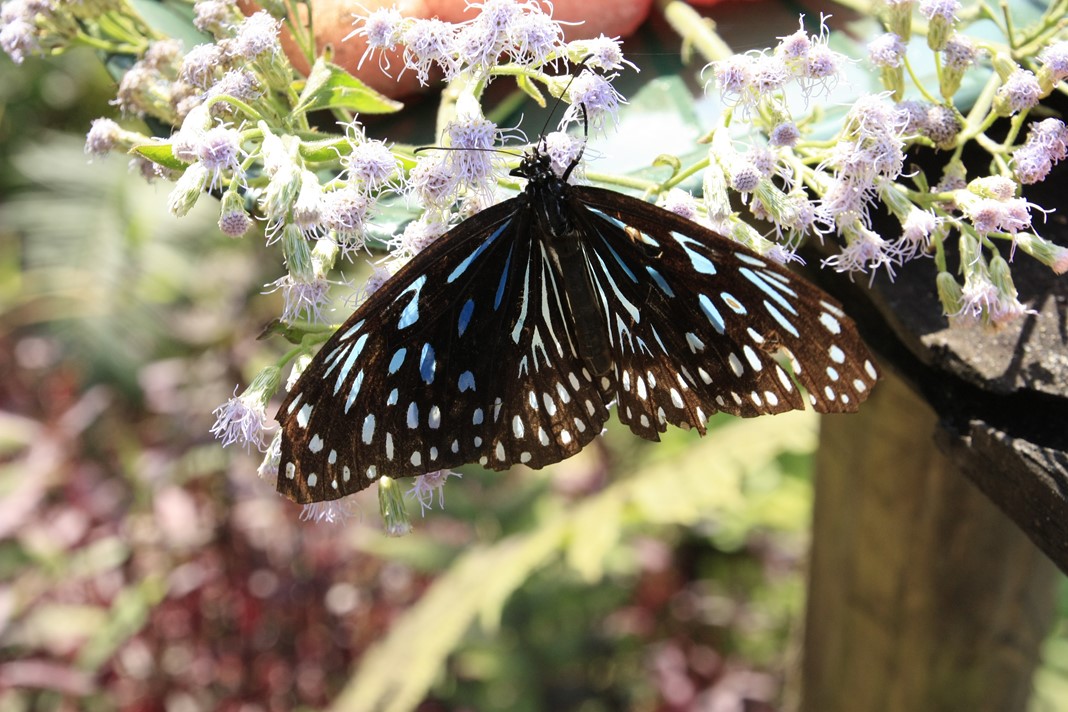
(699,324)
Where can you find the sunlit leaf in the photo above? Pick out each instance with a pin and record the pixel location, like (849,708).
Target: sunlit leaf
(331,87)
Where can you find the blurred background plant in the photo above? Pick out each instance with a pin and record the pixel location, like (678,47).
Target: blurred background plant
(144,567)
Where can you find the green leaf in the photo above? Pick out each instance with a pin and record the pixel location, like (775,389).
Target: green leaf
(331,87)
(596,530)
(161,154)
(174,19)
(325,150)
(530,89)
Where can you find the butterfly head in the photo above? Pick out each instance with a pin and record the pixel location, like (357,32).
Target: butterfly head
(540,165)
(536,166)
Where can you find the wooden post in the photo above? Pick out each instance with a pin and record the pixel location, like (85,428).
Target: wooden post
(922,594)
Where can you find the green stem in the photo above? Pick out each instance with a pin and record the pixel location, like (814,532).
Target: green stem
(918,84)
(641,184)
(237,104)
(682,175)
(1009,32)
(695,30)
(1044,34)
(84,40)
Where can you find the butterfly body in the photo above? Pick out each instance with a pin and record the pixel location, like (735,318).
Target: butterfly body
(506,341)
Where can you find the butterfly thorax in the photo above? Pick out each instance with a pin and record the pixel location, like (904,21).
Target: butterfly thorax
(545,193)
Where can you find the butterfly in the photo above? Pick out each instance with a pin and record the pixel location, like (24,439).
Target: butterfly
(507,340)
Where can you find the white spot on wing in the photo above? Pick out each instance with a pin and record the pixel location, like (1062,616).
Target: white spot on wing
(830,323)
(736,365)
(869,368)
(676,399)
(752,358)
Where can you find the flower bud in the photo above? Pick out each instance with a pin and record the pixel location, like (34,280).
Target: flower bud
(1001,275)
(1054,256)
(899,18)
(949,293)
(958,55)
(234,220)
(188,189)
(391,505)
(298,255)
(323,255)
(282,191)
(717,199)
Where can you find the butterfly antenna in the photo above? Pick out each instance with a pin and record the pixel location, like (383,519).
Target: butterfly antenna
(585,137)
(472,148)
(560,99)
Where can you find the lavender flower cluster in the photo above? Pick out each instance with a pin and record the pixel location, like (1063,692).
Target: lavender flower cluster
(825,188)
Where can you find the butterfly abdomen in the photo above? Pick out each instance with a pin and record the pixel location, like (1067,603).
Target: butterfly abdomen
(570,262)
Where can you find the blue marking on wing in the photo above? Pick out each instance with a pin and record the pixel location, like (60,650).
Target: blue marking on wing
(619,260)
(462,267)
(713,314)
(410,315)
(767,289)
(783,321)
(427,364)
(466,382)
(344,374)
(700,263)
(504,279)
(615,221)
(659,281)
(397,360)
(353,329)
(465,316)
(353,391)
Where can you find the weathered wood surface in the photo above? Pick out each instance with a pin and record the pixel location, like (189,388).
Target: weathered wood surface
(922,594)
(1001,397)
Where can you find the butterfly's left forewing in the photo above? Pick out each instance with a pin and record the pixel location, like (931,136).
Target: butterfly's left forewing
(699,324)
(466,355)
